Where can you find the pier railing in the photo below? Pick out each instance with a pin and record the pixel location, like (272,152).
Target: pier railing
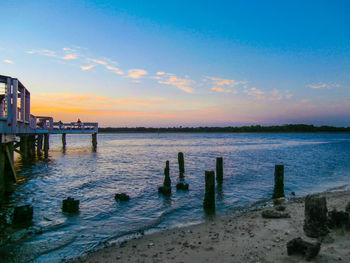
(75,127)
(15,117)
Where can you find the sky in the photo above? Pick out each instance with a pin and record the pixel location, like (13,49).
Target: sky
(181,63)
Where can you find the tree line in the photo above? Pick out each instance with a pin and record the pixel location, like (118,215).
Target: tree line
(293,128)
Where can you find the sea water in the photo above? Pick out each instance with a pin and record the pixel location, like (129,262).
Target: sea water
(134,164)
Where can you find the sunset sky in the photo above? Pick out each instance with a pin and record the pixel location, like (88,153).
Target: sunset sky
(190,63)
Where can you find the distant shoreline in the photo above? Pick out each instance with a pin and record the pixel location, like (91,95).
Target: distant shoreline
(289,128)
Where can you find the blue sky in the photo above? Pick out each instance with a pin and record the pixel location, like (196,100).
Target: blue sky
(189,63)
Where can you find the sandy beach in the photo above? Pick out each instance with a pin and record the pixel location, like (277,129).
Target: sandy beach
(245,238)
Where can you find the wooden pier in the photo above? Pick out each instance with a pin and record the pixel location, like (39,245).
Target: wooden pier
(29,135)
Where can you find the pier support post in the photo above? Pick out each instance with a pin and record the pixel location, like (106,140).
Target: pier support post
(7,169)
(2,171)
(63,140)
(209,197)
(31,146)
(180,158)
(46,145)
(94,141)
(39,144)
(24,147)
(279,181)
(219,170)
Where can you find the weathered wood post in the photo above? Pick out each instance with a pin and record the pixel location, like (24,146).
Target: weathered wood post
(2,171)
(63,140)
(279,181)
(315,222)
(94,141)
(39,144)
(24,147)
(219,170)
(9,172)
(46,145)
(31,145)
(209,197)
(166,188)
(180,158)
(167,181)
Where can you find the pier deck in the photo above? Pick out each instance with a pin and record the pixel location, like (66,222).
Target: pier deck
(20,129)
(16,119)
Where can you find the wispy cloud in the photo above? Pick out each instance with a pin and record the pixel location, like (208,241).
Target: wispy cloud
(97,61)
(67,49)
(323,86)
(8,61)
(183,84)
(87,67)
(70,56)
(43,52)
(256,93)
(223,90)
(224,85)
(226,82)
(136,73)
(115,70)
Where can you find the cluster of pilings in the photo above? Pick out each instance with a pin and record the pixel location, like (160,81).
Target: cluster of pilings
(209,196)
(31,145)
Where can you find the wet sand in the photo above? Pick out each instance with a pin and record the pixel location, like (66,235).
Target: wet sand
(245,238)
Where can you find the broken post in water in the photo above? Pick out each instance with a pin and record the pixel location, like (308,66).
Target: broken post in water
(63,140)
(166,188)
(94,141)
(180,158)
(209,197)
(279,181)
(167,181)
(219,170)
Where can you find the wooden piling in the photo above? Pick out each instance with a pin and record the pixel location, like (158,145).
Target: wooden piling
(9,173)
(279,181)
(39,144)
(63,140)
(209,197)
(24,147)
(219,170)
(31,146)
(166,188)
(2,171)
(46,145)
(167,181)
(94,141)
(315,222)
(180,158)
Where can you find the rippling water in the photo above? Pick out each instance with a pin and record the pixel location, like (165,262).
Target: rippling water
(134,163)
